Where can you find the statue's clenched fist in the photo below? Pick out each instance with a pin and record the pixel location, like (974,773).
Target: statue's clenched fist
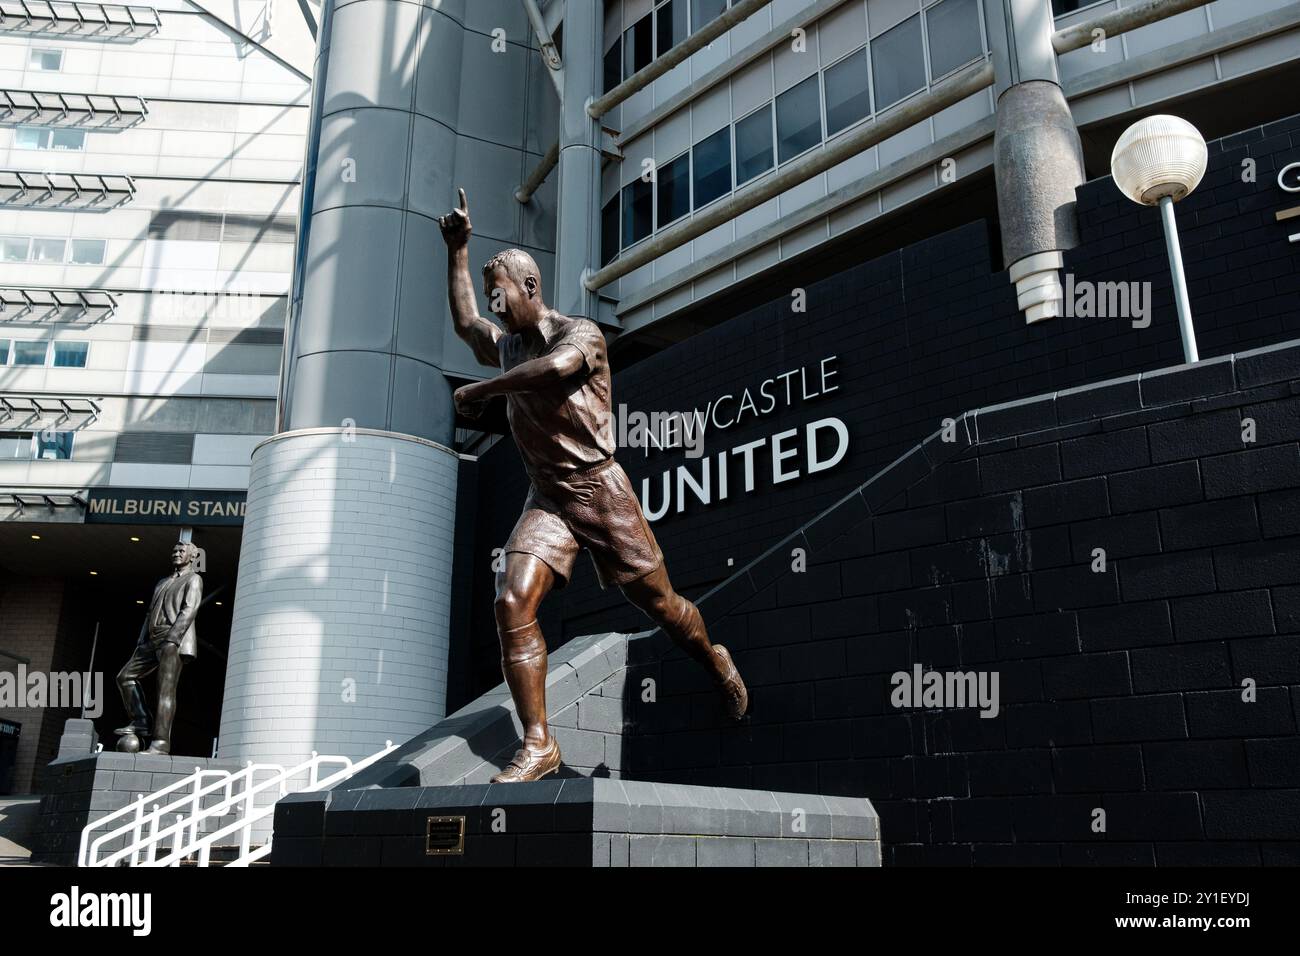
(455,224)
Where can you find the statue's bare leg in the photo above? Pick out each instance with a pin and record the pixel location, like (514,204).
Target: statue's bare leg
(681,621)
(521,587)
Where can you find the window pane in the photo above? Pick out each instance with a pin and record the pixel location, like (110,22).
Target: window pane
(15,250)
(29,353)
(638,211)
(674,189)
(67,139)
(848,94)
(670,26)
(798,119)
(1065,6)
(609,231)
(703,11)
(15,445)
(48,250)
(87,252)
(898,63)
(638,45)
(954,27)
(27,138)
(754,145)
(4,351)
(613,66)
(47,59)
(711,166)
(70,354)
(53,446)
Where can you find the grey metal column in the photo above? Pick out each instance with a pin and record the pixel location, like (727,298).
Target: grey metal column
(1038,156)
(340,631)
(577,240)
(366,342)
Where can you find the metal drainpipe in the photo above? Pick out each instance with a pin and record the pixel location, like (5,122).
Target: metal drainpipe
(577,230)
(1038,158)
(1112,24)
(974,78)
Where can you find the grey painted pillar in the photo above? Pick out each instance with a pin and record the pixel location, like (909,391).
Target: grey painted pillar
(1038,157)
(577,241)
(339,639)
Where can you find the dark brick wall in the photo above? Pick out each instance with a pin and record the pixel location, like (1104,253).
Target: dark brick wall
(1121,688)
(923,333)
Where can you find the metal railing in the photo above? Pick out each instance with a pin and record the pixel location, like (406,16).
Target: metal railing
(146,830)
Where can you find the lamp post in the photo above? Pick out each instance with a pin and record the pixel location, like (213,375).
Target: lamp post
(1159,160)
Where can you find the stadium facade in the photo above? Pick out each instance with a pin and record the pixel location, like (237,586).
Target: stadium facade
(805,230)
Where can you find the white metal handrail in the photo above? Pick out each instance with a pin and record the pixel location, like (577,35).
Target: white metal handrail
(194,780)
(148,832)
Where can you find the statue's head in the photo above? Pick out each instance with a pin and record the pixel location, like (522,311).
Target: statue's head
(184,553)
(513,288)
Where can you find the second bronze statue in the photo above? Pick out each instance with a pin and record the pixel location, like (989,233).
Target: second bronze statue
(556,379)
(167,640)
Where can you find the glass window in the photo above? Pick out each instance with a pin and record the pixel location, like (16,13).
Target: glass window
(87,252)
(609,231)
(70,139)
(15,445)
(954,28)
(670,25)
(754,145)
(15,249)
(674,181)
(705,11)
(613,66)
(53,446)
(798,119)
(848,92)
(29,353)
(70,354)
(711,167)
(4,351)
(638,211)
(1065,6)
(26,137)
(638,45)
(48,250)
(898,62)
(47,60)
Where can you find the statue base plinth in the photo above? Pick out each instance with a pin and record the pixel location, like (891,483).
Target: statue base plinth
(579,821)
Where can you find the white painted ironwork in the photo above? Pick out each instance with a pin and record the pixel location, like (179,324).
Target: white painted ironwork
(207,795)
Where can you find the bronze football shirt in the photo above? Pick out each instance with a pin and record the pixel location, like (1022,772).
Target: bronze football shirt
(565,427)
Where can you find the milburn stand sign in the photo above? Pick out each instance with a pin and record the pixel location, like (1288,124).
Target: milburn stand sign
(178,506)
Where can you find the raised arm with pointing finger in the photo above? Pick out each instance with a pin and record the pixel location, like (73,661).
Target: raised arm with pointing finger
(477,332)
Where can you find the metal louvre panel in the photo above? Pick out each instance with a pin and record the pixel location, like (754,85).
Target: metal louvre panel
(180,224)
(251,228)
(246,336)
(167,333)
(162,448)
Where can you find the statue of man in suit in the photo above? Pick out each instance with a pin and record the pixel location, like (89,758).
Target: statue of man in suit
(167,640)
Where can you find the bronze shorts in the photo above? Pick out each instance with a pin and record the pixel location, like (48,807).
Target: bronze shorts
(596,509)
